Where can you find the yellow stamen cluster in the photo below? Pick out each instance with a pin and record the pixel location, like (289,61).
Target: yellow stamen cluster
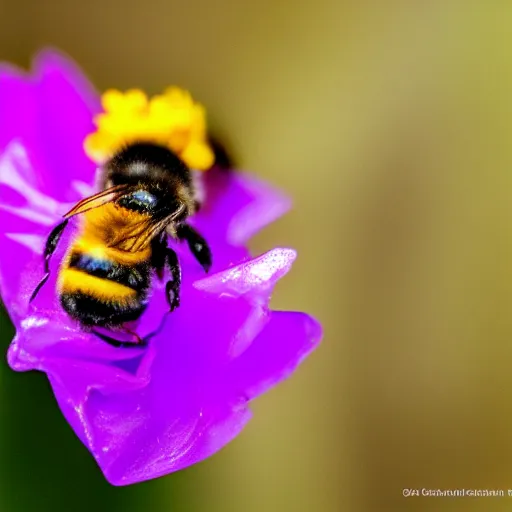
(172,119)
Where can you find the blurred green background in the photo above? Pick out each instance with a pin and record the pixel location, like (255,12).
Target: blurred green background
(390,124)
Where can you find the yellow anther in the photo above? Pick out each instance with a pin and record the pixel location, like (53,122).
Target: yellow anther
(171,119)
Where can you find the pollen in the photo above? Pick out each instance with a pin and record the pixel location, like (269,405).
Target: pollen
(172,119)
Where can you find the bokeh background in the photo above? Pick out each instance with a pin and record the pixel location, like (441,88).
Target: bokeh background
(390,125)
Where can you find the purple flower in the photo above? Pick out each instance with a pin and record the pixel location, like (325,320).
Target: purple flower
(142,412)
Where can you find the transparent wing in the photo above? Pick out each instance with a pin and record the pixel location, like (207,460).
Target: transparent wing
(101,198)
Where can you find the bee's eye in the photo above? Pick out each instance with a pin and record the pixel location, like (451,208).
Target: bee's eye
(140,200)
(144,197)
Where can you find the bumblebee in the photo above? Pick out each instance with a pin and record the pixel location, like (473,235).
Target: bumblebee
(105,277)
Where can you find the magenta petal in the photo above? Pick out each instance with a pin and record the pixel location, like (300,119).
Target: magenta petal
(67,104)
(18,106)
(255,276)
(138,429)
(178,410)
(286,341)
(27,215)
(239,206)
(49,335)
(162,443)
(71,383)
(65,80)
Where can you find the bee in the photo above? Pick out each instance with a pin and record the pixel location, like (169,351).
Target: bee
(105,277)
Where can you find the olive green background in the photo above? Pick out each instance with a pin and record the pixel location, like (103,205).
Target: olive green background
(389,122)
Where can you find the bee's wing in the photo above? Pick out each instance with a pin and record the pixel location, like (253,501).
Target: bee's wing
(105,196)
(142,232)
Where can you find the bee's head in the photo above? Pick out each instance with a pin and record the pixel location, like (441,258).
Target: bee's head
(155,203)
(160,183)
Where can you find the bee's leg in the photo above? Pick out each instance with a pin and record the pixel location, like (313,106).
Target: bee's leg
(159,248)
(140,341)
(121,344)
(172,288)
(163,255)
(197,245)
(51,245)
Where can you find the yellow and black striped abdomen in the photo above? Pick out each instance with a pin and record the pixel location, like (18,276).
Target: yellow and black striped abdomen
(104,286)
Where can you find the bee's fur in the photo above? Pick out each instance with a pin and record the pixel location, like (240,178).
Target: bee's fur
(105,277)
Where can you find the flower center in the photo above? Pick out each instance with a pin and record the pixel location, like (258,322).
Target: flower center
(172,119)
